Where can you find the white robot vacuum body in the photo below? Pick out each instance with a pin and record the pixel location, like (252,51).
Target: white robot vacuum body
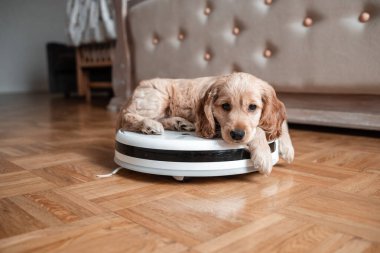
(182,154)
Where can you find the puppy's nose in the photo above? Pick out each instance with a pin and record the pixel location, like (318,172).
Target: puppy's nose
(237,134)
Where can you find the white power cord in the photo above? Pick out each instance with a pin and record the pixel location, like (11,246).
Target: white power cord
(111,174)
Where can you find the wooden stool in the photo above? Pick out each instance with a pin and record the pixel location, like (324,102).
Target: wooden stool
(89,57)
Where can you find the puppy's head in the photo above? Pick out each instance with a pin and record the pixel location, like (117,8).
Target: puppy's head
(240,103)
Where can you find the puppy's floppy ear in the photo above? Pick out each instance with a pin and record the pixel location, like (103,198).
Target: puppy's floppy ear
(273,114)
(204,118)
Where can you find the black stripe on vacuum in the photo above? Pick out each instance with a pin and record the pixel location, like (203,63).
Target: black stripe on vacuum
(183,156)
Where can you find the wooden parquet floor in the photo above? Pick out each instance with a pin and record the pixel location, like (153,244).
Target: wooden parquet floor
(51,150)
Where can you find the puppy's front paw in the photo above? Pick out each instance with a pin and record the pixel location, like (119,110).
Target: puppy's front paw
(184,125)
(262,161)
(152,127)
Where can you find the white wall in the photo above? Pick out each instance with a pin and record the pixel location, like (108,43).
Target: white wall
(25,28)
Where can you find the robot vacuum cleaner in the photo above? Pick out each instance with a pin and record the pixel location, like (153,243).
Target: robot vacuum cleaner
(183,154)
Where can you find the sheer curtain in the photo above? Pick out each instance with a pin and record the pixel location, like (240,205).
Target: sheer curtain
(90,21)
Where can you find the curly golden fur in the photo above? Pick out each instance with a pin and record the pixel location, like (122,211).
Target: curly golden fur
(245,107)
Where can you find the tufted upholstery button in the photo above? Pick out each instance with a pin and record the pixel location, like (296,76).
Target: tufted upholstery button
(236,30)
(155,40)
(181,36)
(207,10)
(236,68)
(268,2)
(307,22)
(267,53)
(207,56)
(364,17)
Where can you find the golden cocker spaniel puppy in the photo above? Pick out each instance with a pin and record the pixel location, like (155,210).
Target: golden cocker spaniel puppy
(240,107)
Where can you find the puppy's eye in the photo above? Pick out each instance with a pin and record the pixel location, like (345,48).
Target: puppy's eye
(226,107)
(252,107)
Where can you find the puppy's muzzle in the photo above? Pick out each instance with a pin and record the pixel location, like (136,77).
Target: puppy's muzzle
(237,134)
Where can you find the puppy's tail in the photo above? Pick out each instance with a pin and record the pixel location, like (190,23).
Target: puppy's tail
(119,120)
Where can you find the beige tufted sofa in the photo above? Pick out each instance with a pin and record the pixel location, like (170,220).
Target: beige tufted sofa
(322,56)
